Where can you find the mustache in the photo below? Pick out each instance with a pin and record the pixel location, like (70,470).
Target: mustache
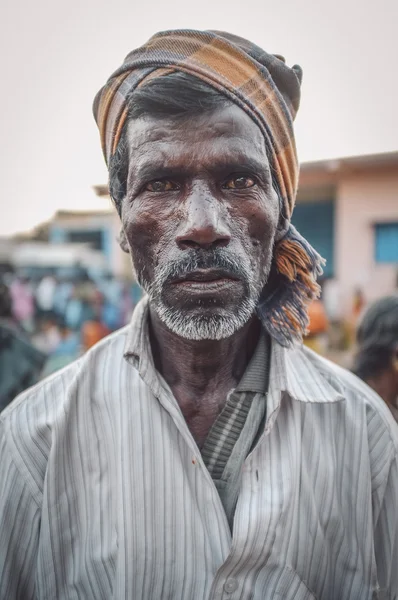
(220,259)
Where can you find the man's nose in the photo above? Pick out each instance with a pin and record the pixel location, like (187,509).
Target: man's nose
(203,225)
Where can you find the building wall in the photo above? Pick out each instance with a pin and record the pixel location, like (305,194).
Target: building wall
(364,199)
(109,226)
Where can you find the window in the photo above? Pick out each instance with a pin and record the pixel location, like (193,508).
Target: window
(92,237)
(386,243)
(315,221)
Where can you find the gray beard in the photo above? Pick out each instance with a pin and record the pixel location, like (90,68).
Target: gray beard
(222,324)
(205,327)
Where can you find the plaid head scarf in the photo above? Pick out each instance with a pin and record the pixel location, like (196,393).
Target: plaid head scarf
(269,92)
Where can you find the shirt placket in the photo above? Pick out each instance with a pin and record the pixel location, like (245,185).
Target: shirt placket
(227,585)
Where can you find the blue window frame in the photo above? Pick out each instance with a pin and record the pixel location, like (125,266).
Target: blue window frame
(386,242)
(315,221)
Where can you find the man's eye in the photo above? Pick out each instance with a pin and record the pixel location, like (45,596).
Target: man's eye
(161,185)
(239,183)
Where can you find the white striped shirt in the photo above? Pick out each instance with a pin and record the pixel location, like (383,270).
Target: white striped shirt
(104,494)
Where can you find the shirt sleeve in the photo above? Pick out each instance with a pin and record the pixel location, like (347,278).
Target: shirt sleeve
(385,519)
(19,528)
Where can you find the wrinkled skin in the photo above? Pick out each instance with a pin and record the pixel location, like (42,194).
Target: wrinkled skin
(198,187)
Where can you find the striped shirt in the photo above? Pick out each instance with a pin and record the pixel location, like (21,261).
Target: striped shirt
(104,493)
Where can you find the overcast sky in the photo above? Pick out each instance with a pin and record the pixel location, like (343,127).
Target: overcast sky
(56,55)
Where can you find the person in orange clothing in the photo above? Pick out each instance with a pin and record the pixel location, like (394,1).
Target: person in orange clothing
(94,328)
(318,326)
(92,332)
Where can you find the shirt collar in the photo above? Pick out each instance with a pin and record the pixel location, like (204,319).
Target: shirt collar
(137,330)
(255,379)
(295,371)
(137,348)
(302,374)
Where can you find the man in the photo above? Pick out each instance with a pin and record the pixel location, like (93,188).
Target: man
(200,452)
(376,361)
(20,362)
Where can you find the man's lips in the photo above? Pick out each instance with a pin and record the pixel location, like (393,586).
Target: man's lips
(205,276)
(206,282)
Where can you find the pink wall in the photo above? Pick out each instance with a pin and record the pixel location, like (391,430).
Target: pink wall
(362,200)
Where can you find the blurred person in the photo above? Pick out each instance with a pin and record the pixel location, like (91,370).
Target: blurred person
(79,308)
(331,295)
(358,304)
(93,331)
(47,336)
(94,328)
(66,351)
(45,292)
(357,308)
(112,314)
(74,314)
(316,337)
(350,323)
(112,290)
(336,336)
(23,305)
(202,451)
(127,304)
(62,294)
(89,296)
(376,360)
(20,362)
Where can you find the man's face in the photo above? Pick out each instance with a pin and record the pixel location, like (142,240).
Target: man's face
(200,218)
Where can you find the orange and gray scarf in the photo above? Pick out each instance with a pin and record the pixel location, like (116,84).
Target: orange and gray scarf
(269,91)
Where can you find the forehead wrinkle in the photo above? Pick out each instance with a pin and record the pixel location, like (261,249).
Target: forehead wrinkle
(140,138)
(221,152)
(146,162)
(221,138)
(230,121)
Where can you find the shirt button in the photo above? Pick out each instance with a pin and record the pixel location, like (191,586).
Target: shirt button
(231,585)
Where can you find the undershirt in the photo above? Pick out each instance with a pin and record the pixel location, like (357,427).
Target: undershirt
(238,428)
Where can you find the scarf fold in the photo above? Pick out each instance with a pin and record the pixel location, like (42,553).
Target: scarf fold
(283,307)
(269,91)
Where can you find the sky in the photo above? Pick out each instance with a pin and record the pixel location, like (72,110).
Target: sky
(55,55)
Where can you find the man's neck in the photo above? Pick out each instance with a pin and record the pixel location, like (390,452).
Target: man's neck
(197,363)
(201,373)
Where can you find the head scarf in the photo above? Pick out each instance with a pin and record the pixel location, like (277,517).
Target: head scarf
(269,92)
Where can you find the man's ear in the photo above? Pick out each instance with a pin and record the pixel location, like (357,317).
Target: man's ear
(123,243)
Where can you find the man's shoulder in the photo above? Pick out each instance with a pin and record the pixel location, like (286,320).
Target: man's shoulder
(343,380)
(52,390)
(358,398)
(29,423)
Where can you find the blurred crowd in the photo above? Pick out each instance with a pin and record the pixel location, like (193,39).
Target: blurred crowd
(364,341)
(47,323)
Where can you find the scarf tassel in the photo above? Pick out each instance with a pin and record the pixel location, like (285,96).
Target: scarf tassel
(283,306)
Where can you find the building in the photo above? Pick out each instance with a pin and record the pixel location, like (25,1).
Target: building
(99,229)
(6,250)
(348,210)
